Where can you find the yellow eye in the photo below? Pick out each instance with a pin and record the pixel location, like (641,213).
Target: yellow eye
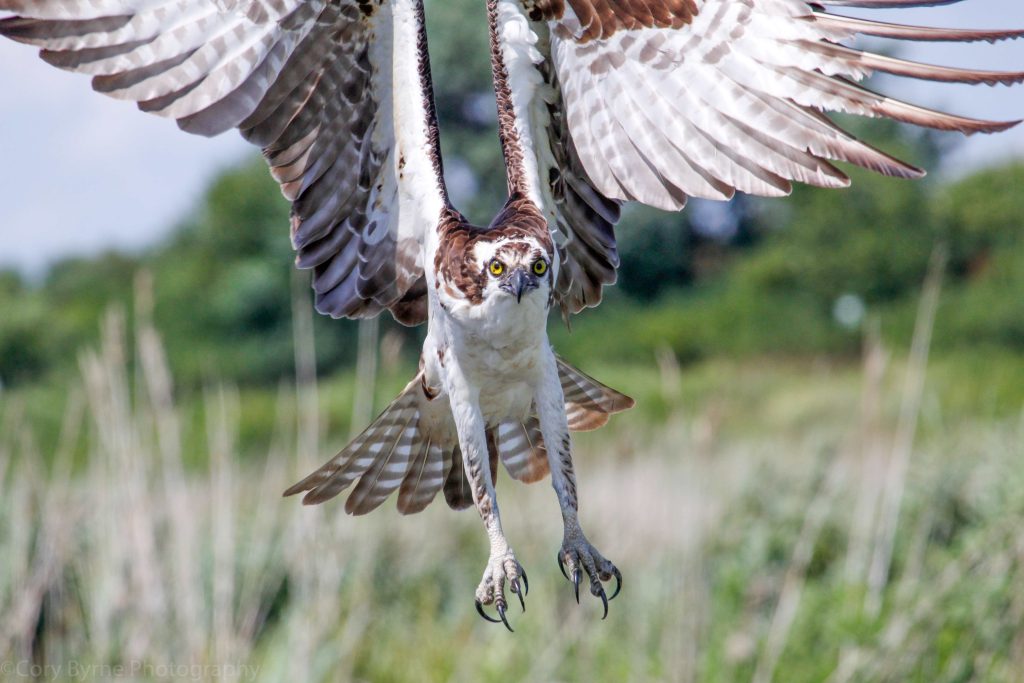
(540,267)
(496,267)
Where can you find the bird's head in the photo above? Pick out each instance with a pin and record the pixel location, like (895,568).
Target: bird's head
(519,267)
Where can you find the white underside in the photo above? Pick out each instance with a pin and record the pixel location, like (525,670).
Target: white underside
(494,354)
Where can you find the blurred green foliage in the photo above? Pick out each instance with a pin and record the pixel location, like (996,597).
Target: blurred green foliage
(223,292)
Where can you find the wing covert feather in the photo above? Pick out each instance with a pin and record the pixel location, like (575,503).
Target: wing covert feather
(658,100)
(337,94)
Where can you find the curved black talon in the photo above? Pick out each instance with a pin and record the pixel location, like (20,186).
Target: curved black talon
(517,591)
(561,564)
(526,581)
(576,583)
(480,610)
(618,584)
(501,613)
(604,599)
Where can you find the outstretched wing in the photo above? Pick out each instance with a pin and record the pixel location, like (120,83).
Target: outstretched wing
(658,100)
(581,217)
(337,93)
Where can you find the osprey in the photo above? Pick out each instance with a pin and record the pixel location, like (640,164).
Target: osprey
(599,102)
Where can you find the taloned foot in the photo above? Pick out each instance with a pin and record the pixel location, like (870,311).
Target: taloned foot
(501,569)
(578,558)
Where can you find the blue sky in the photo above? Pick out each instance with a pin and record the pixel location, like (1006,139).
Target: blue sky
(82,172)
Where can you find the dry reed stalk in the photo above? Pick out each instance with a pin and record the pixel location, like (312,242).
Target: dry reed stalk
(222,406)
(180,556)
(23,603)
(671,375)
(819,509)
(1017,608)
(911,629)
(11,419)
(872,457)
(307,396)
(262,572)
(366,375)
(906,429)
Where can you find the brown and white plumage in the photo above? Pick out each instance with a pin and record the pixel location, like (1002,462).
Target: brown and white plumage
(658,100)
(338,95)
(314,84)
(413,447)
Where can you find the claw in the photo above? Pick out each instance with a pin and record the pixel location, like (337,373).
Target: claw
(618,583)
(561,564)
(518,592)
(515,589)
(526,581)
(501,613)
(480,610)
(604,600)
(576,583)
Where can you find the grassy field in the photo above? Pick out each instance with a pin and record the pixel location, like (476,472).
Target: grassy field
(774,522)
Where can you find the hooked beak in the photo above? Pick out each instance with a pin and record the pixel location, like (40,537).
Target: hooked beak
(520,281)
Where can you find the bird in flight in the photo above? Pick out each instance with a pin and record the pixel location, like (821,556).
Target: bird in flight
(599,102)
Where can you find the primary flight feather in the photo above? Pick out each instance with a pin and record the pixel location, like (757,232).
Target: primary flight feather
(656,101)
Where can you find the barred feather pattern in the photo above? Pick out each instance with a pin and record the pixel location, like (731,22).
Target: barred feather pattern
(458,492)
(426,476)
(581,219)
(522,450)
(588,403)
(380,458)
(335,92)
(675,98)
(411,447)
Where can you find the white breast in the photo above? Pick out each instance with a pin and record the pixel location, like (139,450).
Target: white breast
(499,345)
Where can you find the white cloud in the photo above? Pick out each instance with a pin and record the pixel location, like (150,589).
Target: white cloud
(83,172)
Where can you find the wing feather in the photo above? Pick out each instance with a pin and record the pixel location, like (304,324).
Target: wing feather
(581,217)
(387,472)
(657,100)
(337,93)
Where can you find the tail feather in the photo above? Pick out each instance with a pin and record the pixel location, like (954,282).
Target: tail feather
(425,478)
(379,457)
(588,403)
(522,450)
(387,472)
(456,487)
(394,453)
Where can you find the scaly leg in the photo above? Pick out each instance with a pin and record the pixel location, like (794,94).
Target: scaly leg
(576,551)
(502,565)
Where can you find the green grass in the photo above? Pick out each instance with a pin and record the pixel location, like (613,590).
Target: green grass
(743,503)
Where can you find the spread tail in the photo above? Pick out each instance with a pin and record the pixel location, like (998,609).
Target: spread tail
(588,405)
(394,453)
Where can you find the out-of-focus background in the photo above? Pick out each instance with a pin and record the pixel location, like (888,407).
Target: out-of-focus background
(823,479)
